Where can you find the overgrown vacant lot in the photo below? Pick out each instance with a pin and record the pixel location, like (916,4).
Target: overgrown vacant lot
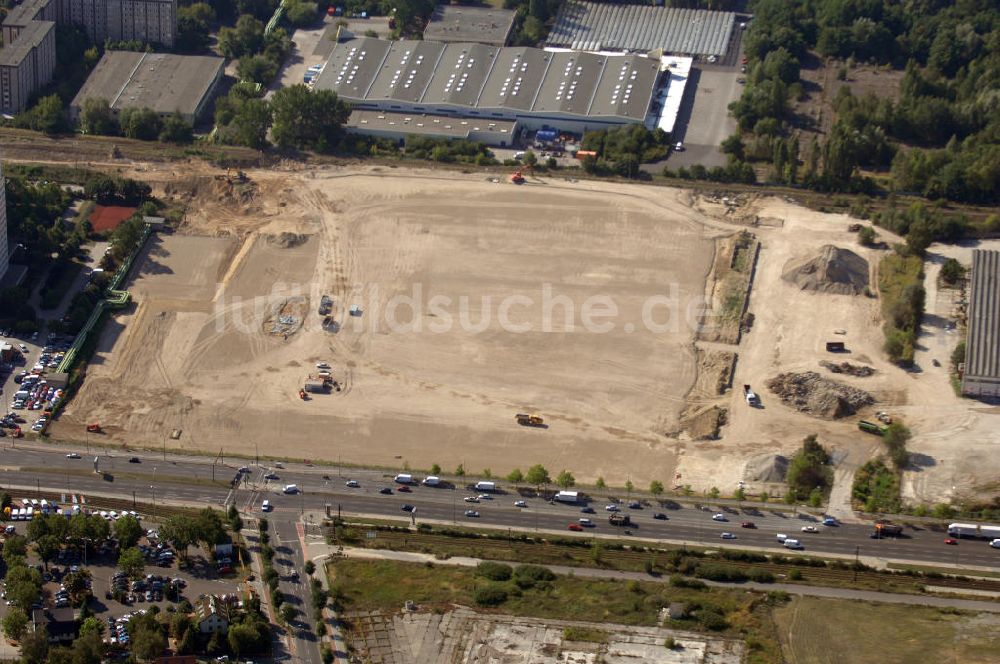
(818,631)
(535,592)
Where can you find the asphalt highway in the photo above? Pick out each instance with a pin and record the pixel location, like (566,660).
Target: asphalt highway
(200,481)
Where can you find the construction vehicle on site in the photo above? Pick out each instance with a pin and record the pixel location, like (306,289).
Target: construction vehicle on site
(94,427)
(303,395)
(517,177)
(871,427)
(526,420)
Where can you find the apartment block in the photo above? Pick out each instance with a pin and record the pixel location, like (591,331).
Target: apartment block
(27,65)
(4,251)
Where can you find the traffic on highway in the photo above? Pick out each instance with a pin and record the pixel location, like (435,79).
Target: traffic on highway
(292,490)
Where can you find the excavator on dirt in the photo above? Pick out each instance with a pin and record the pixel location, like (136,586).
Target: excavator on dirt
(94,427)
(517,177)
(526,420)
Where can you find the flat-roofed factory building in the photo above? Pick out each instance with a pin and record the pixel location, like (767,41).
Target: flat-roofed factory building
(981,378)
(163,82)
(461,23)
(536,89)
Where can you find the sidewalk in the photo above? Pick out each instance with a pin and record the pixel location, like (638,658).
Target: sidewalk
(320,551)
(334,636)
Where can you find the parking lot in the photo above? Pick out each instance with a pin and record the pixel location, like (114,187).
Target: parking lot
(114,596)
(29,395)
(704,120)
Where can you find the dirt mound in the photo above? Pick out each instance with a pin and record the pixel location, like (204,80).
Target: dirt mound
(860,370)
(766,468)
(811,393)
(287,240)
(834,270)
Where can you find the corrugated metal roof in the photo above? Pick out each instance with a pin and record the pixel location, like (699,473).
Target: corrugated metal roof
(982,358)
(598,26)
(492,80)
(460,74)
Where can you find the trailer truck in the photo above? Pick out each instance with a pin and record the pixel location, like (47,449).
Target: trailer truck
(976,530)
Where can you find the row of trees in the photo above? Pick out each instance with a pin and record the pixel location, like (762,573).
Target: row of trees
(145,124)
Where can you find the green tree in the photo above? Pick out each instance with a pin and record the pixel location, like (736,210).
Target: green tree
(141,123)
(35,647)
(460,470)
(244,39)
(132,562)
(866,236)
(96,117)
(565,479)
(537,475)
(15,623)
(288,612)
(92,624)
(243,639)
(188,643)
(301,14)
(600,483)
(48,547)
(176,130)
(256,68)
(740,494)
(895,438)
(656,487)
(714,492)
(148,641)
(48,116)
(629,486)
(307,119)
(808,469)
(816,497)
(515,476)
(952,271)
(128,532)
(15,548)
(309,568)
(435,469)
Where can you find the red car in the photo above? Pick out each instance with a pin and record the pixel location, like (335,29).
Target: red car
(575,526)
(403,489)
(951,541)
(748,524)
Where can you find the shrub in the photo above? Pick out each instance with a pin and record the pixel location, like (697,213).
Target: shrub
(712,619)
(494,571)
(491,595)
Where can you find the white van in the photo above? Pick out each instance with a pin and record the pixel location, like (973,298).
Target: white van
(792,544)
(781,537)
(291,488)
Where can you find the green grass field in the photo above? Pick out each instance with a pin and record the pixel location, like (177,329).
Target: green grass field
(821,631)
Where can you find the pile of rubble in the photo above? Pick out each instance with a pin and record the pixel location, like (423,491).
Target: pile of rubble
(860,370)
(810,393)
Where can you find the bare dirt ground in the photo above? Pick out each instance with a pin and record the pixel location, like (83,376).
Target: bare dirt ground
(198,352)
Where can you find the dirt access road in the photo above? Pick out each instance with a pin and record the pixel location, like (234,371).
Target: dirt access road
(490,286)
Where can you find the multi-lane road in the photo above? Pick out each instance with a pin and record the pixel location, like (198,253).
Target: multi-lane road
(190,480)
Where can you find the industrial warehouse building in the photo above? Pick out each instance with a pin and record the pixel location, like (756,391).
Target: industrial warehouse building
(981,378)
(162,82)
(462,23)
(599,26)
(534,89)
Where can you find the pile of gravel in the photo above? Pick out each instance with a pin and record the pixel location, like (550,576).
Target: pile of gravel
(766,468)
(810,393)
(833,270)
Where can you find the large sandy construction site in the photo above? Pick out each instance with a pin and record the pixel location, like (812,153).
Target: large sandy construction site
(463,285)
(226,329)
